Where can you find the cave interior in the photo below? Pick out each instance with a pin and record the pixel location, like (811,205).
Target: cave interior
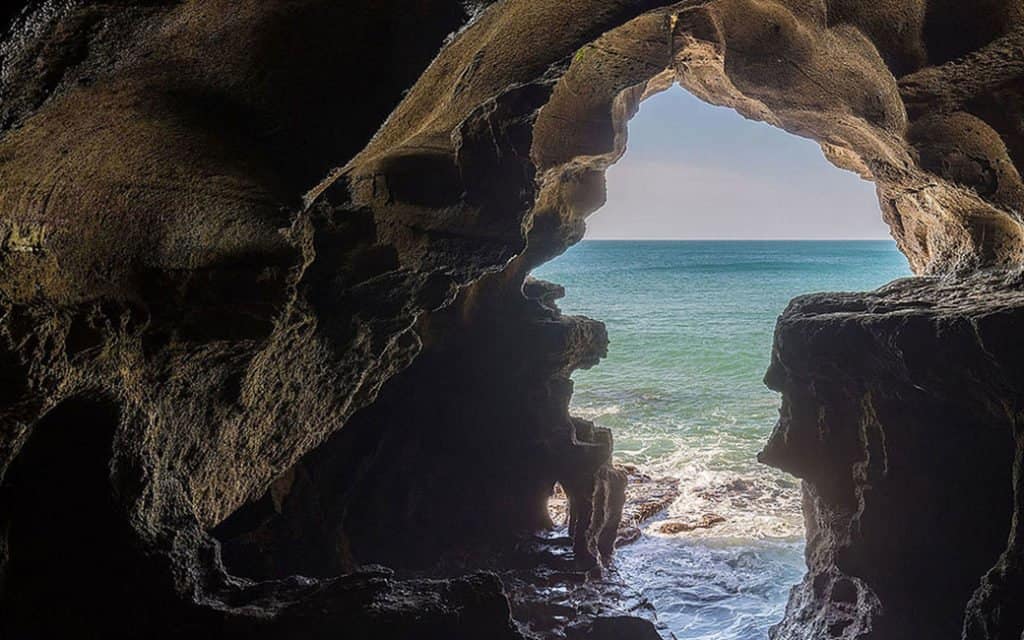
(271,364)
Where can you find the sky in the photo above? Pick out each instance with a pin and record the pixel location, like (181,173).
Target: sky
(695,171)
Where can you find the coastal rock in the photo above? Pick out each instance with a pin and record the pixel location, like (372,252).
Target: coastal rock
(615,629)
(264,309)
(645,497)
(553,598)
(371,604)
(706,521)
(908,471)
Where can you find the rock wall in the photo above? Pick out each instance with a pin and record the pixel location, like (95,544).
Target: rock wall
(900,413)
(275,256)
(508,438)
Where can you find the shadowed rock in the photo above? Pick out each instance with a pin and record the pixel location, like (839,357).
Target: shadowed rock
(900,411)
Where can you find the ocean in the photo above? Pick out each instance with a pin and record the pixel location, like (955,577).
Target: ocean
(690,325)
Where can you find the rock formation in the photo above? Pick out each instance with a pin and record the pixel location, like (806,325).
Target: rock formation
(907,470)
(263,296)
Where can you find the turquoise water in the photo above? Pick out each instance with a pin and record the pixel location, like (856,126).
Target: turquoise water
(690,324)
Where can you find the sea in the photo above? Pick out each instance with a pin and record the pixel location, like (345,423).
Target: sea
(690,326)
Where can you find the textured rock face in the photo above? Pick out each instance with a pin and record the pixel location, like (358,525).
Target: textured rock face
(317,343)
(907,470)
(411,477)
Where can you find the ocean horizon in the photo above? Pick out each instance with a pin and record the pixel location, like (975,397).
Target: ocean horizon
(690,324)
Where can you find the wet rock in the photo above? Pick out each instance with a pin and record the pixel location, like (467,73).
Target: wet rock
(615,628)
(706,521)
(737,491)
(646,497)
(549,592)
(596,497)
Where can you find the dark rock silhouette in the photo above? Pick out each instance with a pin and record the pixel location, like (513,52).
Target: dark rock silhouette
(907,470)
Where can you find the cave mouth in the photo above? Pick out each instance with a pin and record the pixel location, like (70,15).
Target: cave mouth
(690,326)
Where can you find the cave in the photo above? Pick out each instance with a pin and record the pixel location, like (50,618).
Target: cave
(276,254)
(703,240)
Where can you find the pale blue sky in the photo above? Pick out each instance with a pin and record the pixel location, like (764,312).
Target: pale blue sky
(695,171)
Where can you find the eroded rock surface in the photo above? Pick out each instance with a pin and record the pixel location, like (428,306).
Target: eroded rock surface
(900,412)
(645,498)
(273,257)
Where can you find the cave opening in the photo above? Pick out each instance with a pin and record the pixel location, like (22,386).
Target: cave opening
(720,559)
(712,224)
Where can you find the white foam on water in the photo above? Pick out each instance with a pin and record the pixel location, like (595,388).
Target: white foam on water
(713,589)
(591,413)
(757,503)
(730,580)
